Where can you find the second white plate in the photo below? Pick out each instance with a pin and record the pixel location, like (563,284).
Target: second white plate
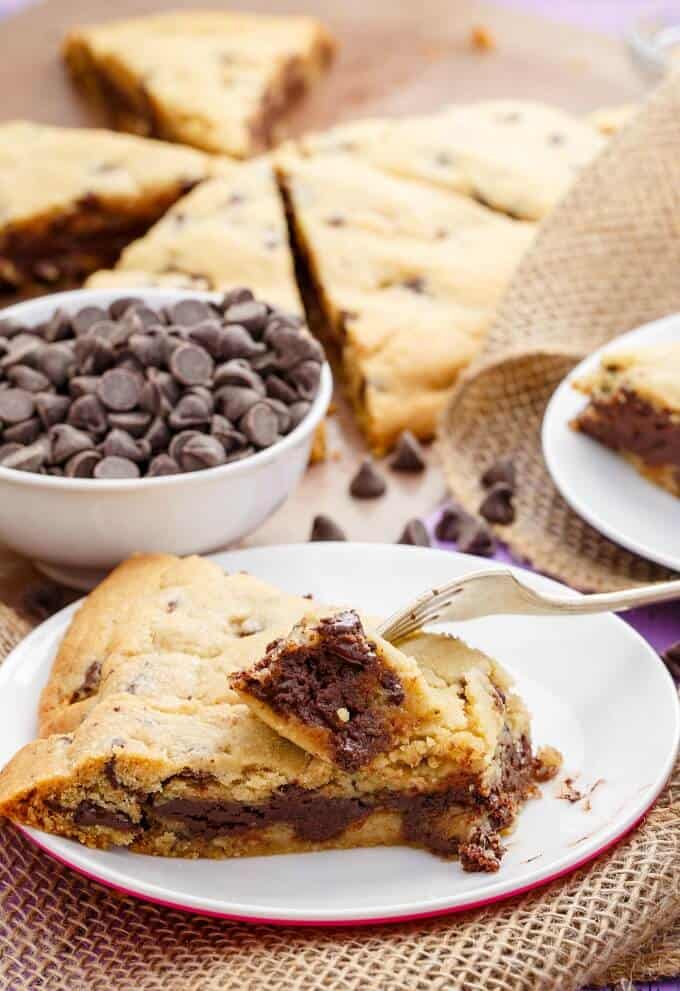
(603,488)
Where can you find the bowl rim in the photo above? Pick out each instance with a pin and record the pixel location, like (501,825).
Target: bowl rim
(311,420)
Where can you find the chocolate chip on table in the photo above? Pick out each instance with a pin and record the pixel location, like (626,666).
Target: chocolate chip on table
(119,390)
(671,658)
(260,425)
(497,506)
(414,533)
(16,405)
(367,483)
(89,414)
(162,464)
(202,451)
(67,441)
(449,524)
(116,467)
(82,465)
(476,538)
(191,365)
(324,528)
(502,470)
(408,454)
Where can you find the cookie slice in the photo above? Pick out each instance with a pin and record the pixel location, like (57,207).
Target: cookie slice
(634,409)
(71,199)
(408,278)
(336,692)
(516,157)
(161,756)
(230,231)
(217,80)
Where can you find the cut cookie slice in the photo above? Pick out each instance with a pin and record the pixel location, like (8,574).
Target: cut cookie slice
(230,231)
(335,692)
(516,157)
(634,409)
(164,758)
(219,81)
(408,279)
(70,200)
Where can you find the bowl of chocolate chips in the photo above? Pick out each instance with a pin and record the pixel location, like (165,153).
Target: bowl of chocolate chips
(168,420)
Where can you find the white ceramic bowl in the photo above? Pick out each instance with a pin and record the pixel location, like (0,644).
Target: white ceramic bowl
(77,528)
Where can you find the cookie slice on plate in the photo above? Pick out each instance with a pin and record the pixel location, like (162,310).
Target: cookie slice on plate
(156,752)
(516,157)
(71,199)
(218,80)
(408,279)
(230,231)
(634,409)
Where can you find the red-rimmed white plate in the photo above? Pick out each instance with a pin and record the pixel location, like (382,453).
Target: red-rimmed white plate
(589,681)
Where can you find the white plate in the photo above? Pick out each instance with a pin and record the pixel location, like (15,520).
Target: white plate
(600,485)
(589,682)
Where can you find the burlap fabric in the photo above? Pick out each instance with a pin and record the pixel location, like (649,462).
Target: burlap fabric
(605,261)
(59,932)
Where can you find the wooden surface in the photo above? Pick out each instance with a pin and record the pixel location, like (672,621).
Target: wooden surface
(396,57)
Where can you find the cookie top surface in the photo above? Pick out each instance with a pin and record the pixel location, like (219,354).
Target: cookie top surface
(651,372)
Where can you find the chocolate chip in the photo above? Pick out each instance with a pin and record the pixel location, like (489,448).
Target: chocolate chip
(189,312)
(282,414)
(51,408)
(67,441)
(119,390)
(449,524)
(408,454)
(415,533)
(190,411)
(191,365)
(135,422)
(277,388)
(233,401)
(229,437)
(250,314)
(16,405)
(306,377)
(23,349)
(57,361)
(205,395)
(497,506)
(476,538)
(324,528)
(238,372)
(298,411)
(147,348)
(115,467)
(119,444)
(260,425)
(502,470)
(83,385)
(202,451)
(236,342)
(157,435)
(140,317)
(82,465)
(291,344)
(368,483)
(30,458)
(166,384)
(23,433)
(7,449)
(178,441)
(237,295)
(57,328)
(25,377)
(162,464)
(94,355)
(85,318)
(209,336)
(118,307)
(671,658)
(87,413)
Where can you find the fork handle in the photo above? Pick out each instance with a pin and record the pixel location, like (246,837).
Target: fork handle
(630,598)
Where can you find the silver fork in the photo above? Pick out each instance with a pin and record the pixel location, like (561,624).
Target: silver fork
(498,591)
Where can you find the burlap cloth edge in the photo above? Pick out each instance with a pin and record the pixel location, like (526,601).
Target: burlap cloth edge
(610,920)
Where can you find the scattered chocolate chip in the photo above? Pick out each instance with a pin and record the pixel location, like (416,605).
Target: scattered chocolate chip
(115,467)
(671,658)
(502,470)
(163,464)
(119,390)
(476,538)
(415,533)
(260,425)
(368,483)
(324,528)
(408,454)
(191,365)
(449,524)
(82,465)
(497,505)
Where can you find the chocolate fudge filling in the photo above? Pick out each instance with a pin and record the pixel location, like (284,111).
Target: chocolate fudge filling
(338,682)
(632,425)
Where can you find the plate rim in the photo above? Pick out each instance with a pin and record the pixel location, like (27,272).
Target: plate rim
(552,422)
(149,891)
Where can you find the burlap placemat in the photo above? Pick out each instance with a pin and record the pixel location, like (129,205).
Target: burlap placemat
(605,261)
(59,932)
